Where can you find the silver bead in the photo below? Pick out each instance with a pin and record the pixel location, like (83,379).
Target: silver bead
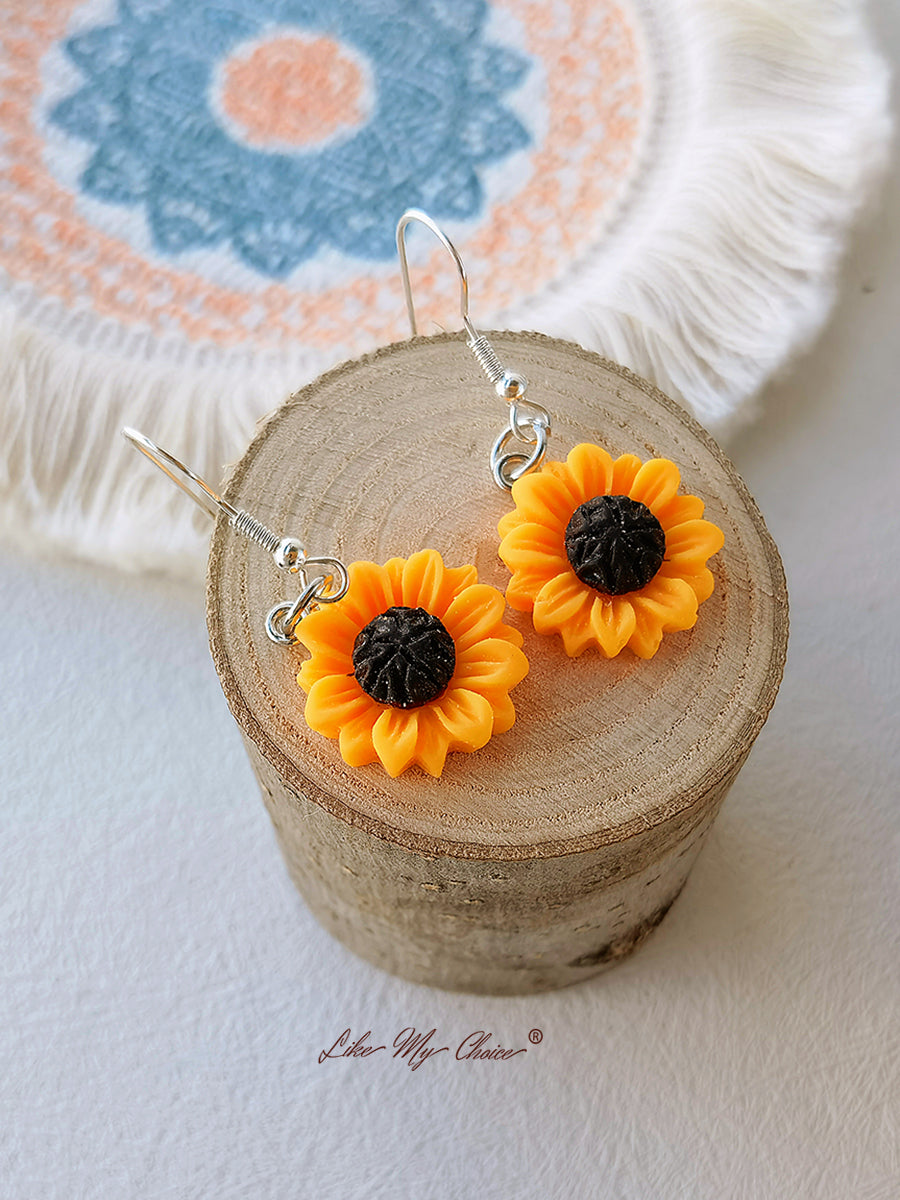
(290,554)
(511,385)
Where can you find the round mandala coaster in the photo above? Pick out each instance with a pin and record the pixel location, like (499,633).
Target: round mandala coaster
(200,201)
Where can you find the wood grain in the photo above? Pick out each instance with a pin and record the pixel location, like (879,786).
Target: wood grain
(499,876)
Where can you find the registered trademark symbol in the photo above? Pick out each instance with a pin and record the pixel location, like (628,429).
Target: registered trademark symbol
(535,1036)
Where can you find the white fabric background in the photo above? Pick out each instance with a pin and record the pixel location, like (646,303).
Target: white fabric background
(767,129)
(165,994)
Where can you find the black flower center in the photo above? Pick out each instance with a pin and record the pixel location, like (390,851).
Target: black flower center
(404,657)
(615,544)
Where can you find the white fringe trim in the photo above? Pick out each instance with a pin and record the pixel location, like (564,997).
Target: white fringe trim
(730,266)
(68,481)
(723,269)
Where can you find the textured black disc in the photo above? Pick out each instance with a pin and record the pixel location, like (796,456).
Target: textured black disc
(615,544)
(404,657)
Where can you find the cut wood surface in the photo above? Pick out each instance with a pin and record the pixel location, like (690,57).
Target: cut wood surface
(612,766)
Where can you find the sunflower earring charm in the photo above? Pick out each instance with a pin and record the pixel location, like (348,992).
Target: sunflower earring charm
(604,552)
(408,661)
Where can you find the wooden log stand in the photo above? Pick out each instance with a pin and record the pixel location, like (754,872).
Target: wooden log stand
(553,852)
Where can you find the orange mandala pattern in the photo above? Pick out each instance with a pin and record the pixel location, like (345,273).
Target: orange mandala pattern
(534,547)
(474,704)
(90,121)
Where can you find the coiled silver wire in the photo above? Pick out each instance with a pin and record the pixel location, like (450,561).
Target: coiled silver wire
(244,523)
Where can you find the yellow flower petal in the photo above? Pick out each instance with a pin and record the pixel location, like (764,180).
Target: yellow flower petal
(692,543)
(663,606)
(521,591)
(510,634)
(460,578)
(504,712)
(701,580)
(535,555)
(333,702)
(355,741)
(577,636)
(467,717)
(558,469)
(509,521)
(703,584)
(534,550)
(370,593)
(428,584)
(561,600)
(394,568)
(592,470)
(330,630)
(433,743)
(678,510)
(655,483)
(394,737)
(475,613)
(625,468)
(423,578)
(546,499)
(613,623)
(324,662)
(489,665)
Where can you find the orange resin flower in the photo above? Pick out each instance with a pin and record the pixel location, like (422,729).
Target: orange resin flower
(606,553)
(413,662)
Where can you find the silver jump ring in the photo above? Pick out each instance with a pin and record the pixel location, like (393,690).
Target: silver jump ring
(324,588)
(525,417)
(508,466)
(335,579)
(283,619)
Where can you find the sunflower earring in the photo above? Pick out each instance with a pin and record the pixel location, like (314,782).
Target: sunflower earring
(604,552)
(408,661)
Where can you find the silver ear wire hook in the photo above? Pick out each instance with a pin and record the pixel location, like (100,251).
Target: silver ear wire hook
(330,579)
(416,214)
(528,422)
(211,502)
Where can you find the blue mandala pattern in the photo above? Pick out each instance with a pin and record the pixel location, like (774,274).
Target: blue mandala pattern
(437,118)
